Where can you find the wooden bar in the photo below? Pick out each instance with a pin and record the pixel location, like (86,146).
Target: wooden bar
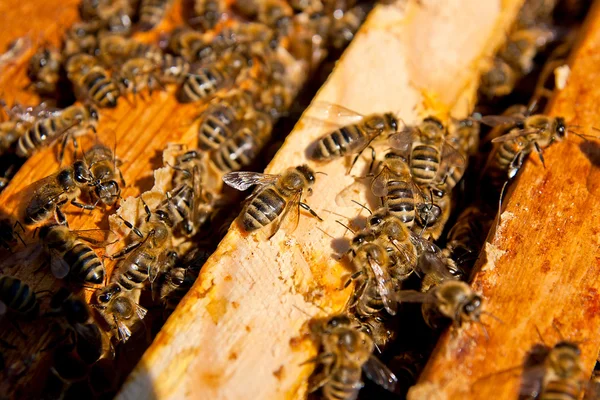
(540,268)
(239,333)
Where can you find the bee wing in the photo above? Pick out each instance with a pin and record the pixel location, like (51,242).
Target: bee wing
(424,245)
(334,113)
(514,134)
(497,120)
(96,237)
(413,296)
(292,207)
(242,180)
(59,267)
(432,262)
(451,159)
(376,371)
(403,140)
(384,285)
(379,183)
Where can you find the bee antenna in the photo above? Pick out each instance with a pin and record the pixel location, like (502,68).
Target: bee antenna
(540,335)
(319,172)
(557,330)
(485,331)
(325,232)
(345,226)
(362,206)
(493,316)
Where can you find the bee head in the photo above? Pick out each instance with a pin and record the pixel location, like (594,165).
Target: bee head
(308,173)
(177,276)
(435,121)
(472,308)
(82,172)
(93,111)
(108,192)
(337,321)
(106,294)
(391,121)
(561,129)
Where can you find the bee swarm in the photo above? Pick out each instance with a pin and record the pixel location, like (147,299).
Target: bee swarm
(246,327)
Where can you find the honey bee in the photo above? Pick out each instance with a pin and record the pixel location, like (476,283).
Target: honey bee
(564,369)
(119,309)
(274,196)
(209,12)
(395,186)
(173,69)
(91,342)
(451,299)
(343,29)
(71,255)
(463,135)
(206,81)
(432,215)
(17,297)
(523,45)
(115,16)
(178,280)
(498,80)
(276,14)
(152,13)
(116,49)
(220,120)
(44,71)
(432,158)
(345,354)
(95,175)
(147,256)
(532,133)
(243,147)
(593,390)
(67,124)
(192,45)
(353,138)
(82,38)
(137,74)
(466,237)
(92,81)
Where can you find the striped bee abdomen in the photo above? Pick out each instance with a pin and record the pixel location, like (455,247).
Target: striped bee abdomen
(101,89)
(216,127)
(400,201)
(263,210)
(137,271)
(424,163)
(18,296)
(85,264)
(201,85)
(340,142)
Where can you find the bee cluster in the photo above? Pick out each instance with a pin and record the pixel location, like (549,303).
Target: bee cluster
(242,64)
(432,215)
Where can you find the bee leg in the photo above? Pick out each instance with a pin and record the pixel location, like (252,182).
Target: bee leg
(82,205)
(353,277)
(321,379)
(373,155)
(17,223)
(147,209)
(61,217)
(132,227)
(310,210)
(126,250)
(539,151)
(63,145)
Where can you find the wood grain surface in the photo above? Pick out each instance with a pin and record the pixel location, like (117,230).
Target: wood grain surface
(239,333)
(541,268)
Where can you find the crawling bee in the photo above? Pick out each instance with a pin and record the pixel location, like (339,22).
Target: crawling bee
(221,119)
(137,74)
(120,309)
(17,297)
(192,45)
(71,255)
(343,29)
(67,124)
(91,342)
(274,196)
(152,12)
(92,81)
(209,12)
(115,16)
(44,71)
(82,38)
(116,50)
(463,135)
(243,147)
(353,138)
(96,175)
(431,157)
(206,81)
(346,352)
(276,14)
(432,215)
(532,133)
(395,185)
(147,256)
(498,80)
(451,299)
